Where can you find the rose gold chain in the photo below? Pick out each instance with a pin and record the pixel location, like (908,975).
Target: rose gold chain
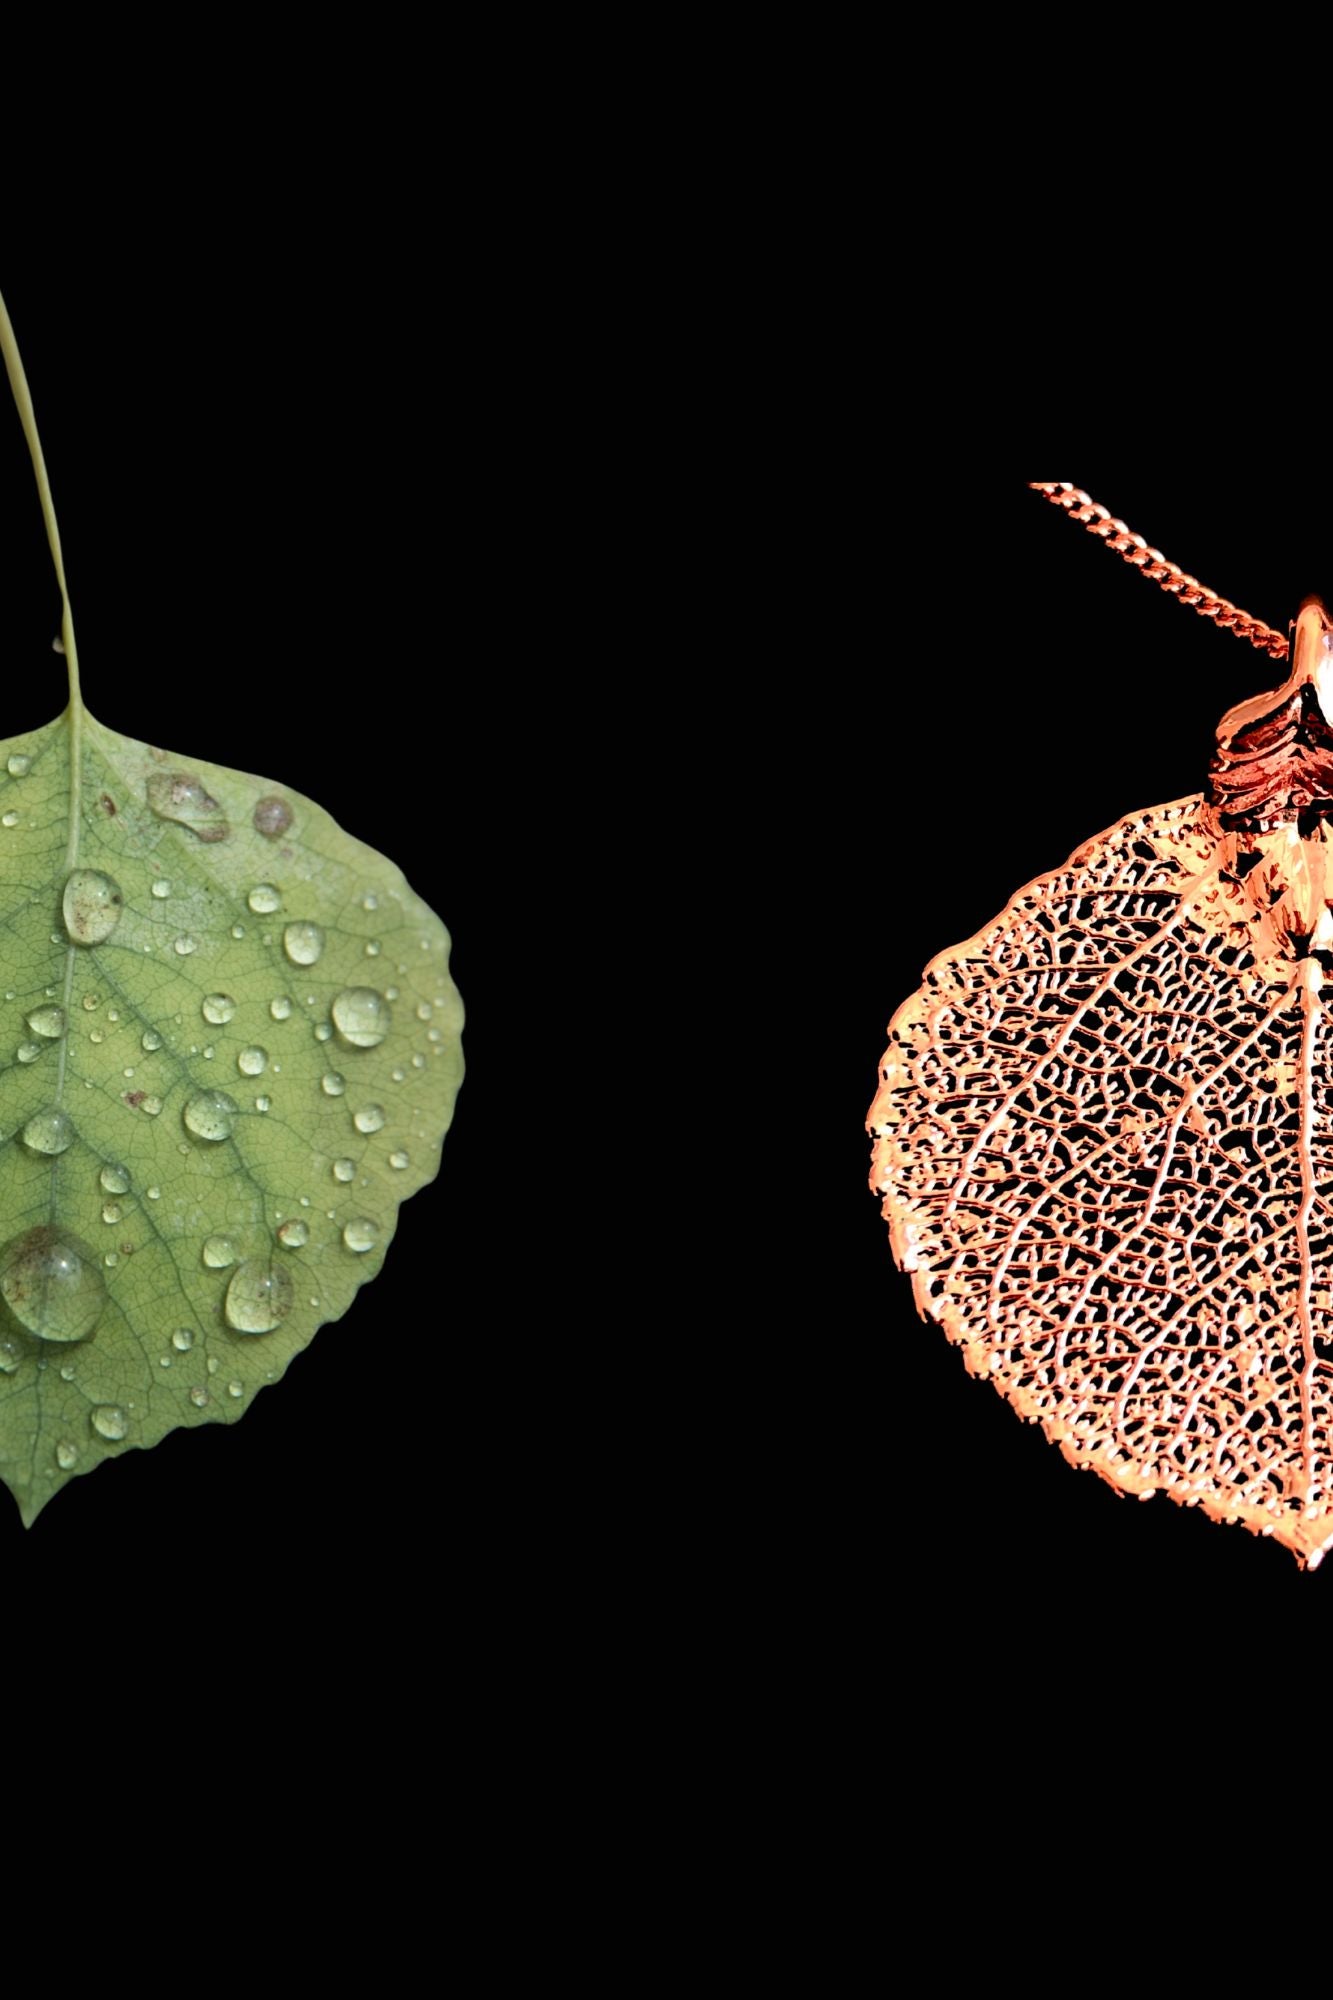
(1154,565)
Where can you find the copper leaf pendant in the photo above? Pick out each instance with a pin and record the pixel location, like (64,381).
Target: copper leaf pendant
(1104,1134)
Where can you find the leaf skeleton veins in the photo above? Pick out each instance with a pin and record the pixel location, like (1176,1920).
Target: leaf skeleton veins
(1104,1134)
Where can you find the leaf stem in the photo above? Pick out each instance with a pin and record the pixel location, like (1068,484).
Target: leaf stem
(18,382)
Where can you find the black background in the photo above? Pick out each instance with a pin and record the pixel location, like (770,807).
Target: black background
(251,459)
(1037,689)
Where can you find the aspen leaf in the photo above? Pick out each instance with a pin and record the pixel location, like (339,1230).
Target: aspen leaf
(229,1049)
(1104,1135)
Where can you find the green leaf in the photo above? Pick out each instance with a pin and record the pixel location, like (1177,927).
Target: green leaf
(229,1048)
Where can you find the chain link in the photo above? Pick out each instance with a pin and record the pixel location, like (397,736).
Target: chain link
(1154,565)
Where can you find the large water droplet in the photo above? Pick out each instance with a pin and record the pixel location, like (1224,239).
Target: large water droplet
(362,1017)
(303,943)
(161,888)
(370,1118)
(48,1022)
(49,1131)
(177,796)
(66,1454)
(399,1160)
(361,1235)
(199,1397)
(264,898)
(112,1212)
(344,1171)
(110,1422)
(28,1052)
(183,1339)
(219,1252)
(209,1114)
(272,817)
(114,1178)
(252,1062)
(92,905)
(259,1296)
(281,1008)
(218,1008)
(294,1235)
(333,1085)
(50,1281)
(19,765)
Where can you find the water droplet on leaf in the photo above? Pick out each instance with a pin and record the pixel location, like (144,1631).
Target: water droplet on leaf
(48,1022)
(218,1008)
(272,817)
(49,1132)
(361,1235)
(181,798)
(259,1296)
(110,1422)
(91,906)
(303,943)
(50,1281)
(209,1114)
(362,1017)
